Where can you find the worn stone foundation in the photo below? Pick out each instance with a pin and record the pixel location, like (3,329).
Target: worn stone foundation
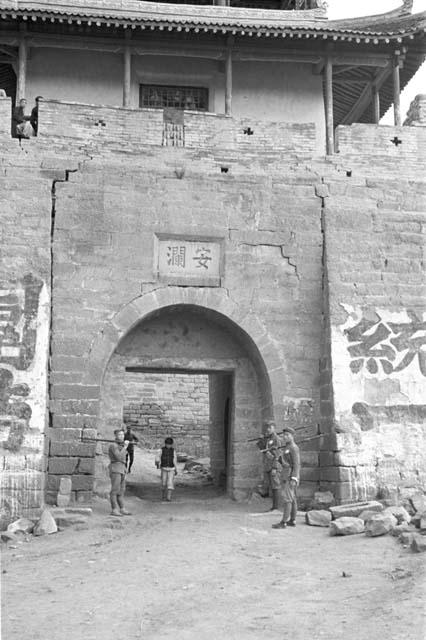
(312,311)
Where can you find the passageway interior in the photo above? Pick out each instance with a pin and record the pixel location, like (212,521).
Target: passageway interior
(194,408)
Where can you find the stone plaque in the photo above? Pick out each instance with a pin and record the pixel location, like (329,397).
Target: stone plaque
(197,260)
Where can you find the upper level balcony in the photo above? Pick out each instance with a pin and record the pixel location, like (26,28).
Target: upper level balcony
(266,64)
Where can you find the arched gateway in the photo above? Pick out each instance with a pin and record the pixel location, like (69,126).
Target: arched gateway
(198,332)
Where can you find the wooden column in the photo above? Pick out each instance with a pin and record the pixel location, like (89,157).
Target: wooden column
(376,105)
(22,64)
(127,70)
(228,78)
(329,122)
(396,93)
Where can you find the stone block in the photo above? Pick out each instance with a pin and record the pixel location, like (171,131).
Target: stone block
(346,526)
(63,500)
(86,465)
(62,466)
(310,474)
(354,509)
(52,485)
(46,525)
(70,449)
(327,459)
(318,518)
(400,513)
(64,435)
(22,525)
(75,392)
(418,543)
(83,511)
(82,483)
(65,485)
(401,528)
(324,499)
(367,515)
(322,190)
(418,502)
(69,520)
(380,524)
(336,474)
(83,497)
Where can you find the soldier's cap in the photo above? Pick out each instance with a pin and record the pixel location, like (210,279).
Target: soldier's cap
(289,430)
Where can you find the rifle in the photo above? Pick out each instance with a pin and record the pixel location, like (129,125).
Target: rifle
(83,439)
(285,445)
(264,435)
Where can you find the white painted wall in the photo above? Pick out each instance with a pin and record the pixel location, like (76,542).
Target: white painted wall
(390,454)
(263,90)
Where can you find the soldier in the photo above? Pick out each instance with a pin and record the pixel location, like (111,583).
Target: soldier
(271,467)
(290,459)
(117,473)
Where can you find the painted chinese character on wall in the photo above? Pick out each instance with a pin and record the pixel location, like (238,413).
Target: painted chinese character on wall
(202,257)
(391,346)
(176,256)
(184,258)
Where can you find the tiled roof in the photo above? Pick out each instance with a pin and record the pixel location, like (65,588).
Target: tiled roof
(392,25)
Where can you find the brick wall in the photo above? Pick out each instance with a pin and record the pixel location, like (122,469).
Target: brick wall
(99,129)
(375,225)
(25,204)
(157,405)
(274,220)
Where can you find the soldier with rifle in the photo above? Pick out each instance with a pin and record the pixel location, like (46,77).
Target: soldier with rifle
(269,444)
(290,459)
(117,472)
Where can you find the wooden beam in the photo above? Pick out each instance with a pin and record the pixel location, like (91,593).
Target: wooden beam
(228,78)
(329,120)
(376,105)
(396,92)
(167,47)
(127,70)
(22,63)
(348,60)
(364,99)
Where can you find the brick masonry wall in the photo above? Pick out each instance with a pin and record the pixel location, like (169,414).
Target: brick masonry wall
(272,216)
(375,259)
(158,405)
(25,203)
(99,129)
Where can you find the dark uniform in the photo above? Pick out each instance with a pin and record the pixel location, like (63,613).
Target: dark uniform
(132,439)
(271,466)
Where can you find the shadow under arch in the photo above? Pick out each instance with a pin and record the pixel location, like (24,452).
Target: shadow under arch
(217,309)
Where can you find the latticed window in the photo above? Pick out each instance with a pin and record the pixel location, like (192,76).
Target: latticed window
(159,96)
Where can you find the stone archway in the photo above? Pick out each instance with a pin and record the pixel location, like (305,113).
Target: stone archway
(243,351)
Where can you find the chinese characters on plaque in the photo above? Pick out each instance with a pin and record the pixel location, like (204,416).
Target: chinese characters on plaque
(189,258)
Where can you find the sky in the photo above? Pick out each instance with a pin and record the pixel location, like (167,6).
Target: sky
(352,8)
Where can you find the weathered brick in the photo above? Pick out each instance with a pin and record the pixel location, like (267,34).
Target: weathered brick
(75,391)
(86,466)
(62,466)
(82,483)
(78,449)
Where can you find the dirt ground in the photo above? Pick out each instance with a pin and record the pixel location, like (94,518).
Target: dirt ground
(206,568)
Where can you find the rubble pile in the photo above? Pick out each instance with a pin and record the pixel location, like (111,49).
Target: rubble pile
(51,520)
(406,523)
